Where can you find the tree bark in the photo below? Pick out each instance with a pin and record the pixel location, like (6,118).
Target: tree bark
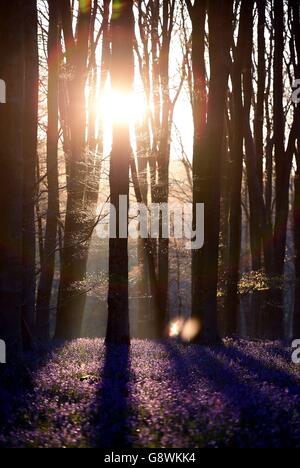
(296,323)
(208,188)
(122,76)
(282,173)
(295,5)
(11,176)
(72,290)
(163,162)
(30,158)
(198,17)
(261,85)
(236,172)
(50,245)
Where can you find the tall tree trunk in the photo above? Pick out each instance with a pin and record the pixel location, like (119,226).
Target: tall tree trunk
(143,149)
(147,154)
(261,85)
(282,177)
(295,4)
(296,324)
(268,189)
(236,173)
(149,265)
(72,290)
(48,264)
(283,161)
(11,175)
(208,188)
(163,163)
(155,18)
(96,143)
(198,17)
(105,61)
(266,227)
(30,157)
(253,163)
(122,76)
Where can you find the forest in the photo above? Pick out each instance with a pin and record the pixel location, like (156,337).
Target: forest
(150,247)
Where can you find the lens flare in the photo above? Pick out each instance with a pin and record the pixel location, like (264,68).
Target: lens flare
(175,328)
(191,329)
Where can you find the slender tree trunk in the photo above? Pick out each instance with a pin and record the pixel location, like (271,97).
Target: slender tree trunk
(296,325)
(220,16)
(236,173)
(39,216)
(72,290)
(253,162)
(268,189)
(261,85)
(149,270)
(259,137)
(163,168)
(283,161)
(48,264)
(155,17)
(143,149)
(269,152)
(11,175)
(30,157)
(96,143)
(198,17)
(122,75)
(282,177)
(147,154)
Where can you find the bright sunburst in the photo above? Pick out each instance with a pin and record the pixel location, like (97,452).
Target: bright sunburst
(122,107)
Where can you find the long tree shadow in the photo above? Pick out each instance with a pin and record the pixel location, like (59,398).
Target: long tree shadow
(17,382)
(112,406)
(268,372)
(179,364)
(263,419)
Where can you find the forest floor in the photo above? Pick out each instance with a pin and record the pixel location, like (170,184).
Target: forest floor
(241,394)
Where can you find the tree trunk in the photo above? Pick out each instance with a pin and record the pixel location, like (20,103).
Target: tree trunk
(261,85)
(72,290)
(48,264)
(11,176)
(283,160)
(208,188)
(163,163)
(236,173)
(296,325)
(282,176)
(122,75)
(253,163)
(198,17)
(30,157)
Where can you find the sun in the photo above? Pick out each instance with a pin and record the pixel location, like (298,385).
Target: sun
(120,107)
